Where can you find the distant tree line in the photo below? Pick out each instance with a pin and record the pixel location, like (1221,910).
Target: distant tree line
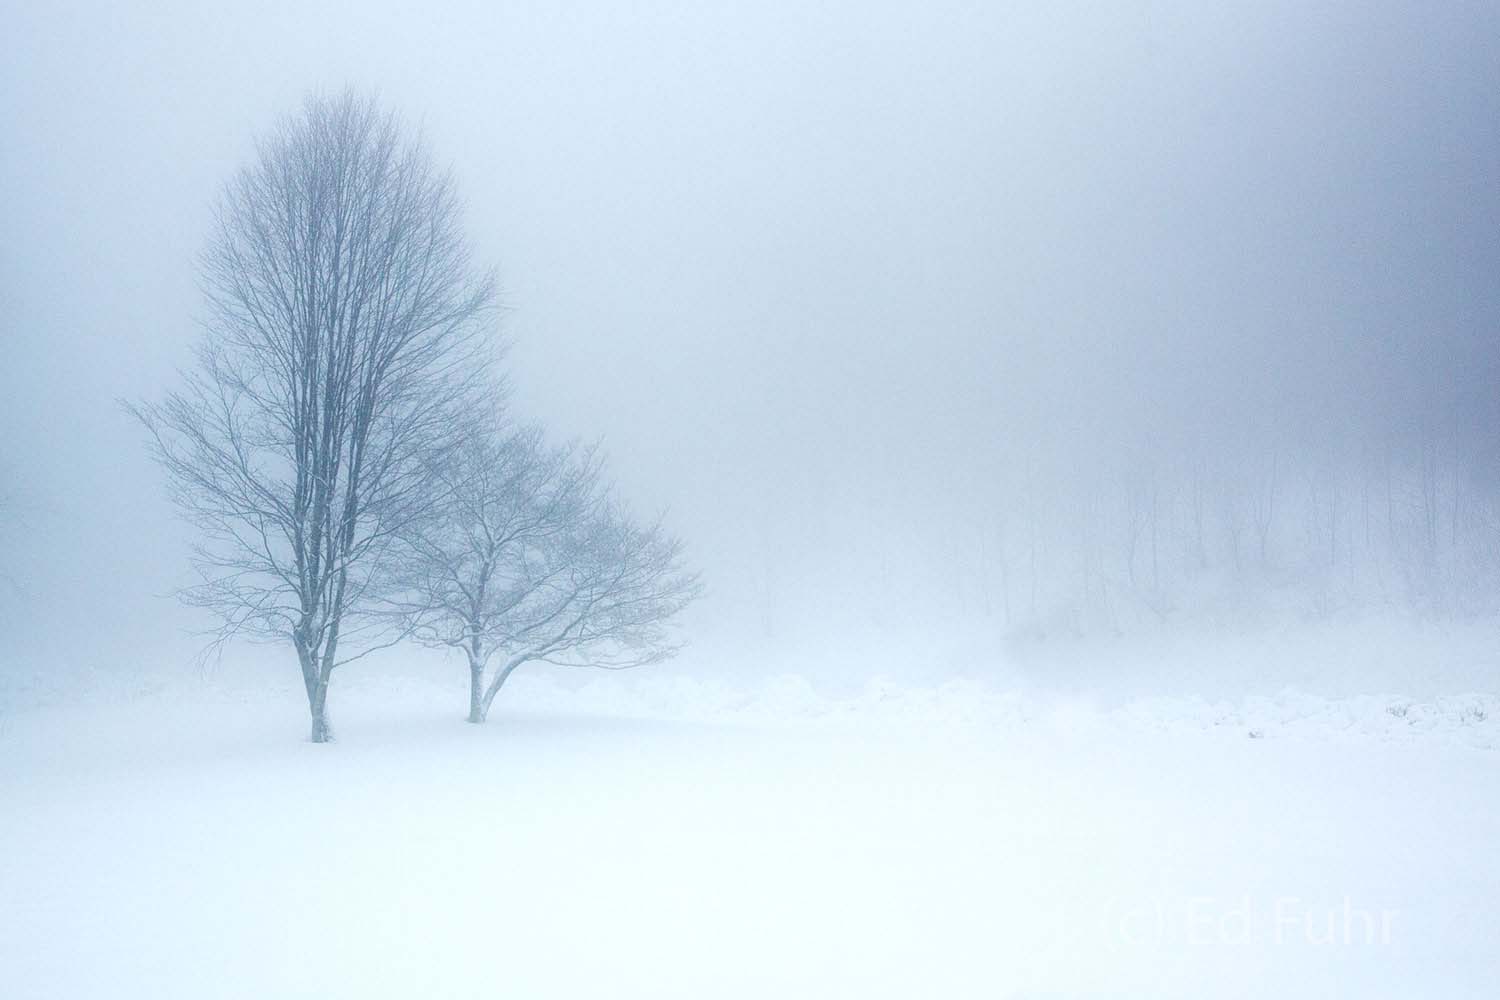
(1060,523)
(1289,523)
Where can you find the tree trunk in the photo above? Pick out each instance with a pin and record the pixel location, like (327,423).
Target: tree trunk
(322,730)
(478,707)
(501,676)
(317,691)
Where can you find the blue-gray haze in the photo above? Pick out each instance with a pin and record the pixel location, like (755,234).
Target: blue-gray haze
(864,293)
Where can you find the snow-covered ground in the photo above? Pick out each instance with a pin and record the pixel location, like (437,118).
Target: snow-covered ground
(670,835)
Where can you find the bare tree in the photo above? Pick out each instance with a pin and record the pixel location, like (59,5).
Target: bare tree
(7,516)
(533,562)
(1232,513)
(1262,494)
(344,332)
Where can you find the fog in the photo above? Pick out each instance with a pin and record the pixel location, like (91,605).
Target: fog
(905,314)
(1083,417)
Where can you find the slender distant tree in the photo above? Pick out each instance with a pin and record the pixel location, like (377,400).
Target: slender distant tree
(7,515)
(345,332)
(534,562)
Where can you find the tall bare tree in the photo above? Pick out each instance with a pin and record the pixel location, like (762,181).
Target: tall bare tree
(534,562)
(345,332)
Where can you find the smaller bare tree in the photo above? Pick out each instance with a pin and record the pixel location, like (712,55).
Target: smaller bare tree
(534,562)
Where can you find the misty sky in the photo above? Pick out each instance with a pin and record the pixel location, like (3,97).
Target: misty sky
(816,272)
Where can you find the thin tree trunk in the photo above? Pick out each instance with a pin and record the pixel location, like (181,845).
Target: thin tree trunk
(1155,565)
(316,683)
(478,709)
(322,730)
(501,676)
